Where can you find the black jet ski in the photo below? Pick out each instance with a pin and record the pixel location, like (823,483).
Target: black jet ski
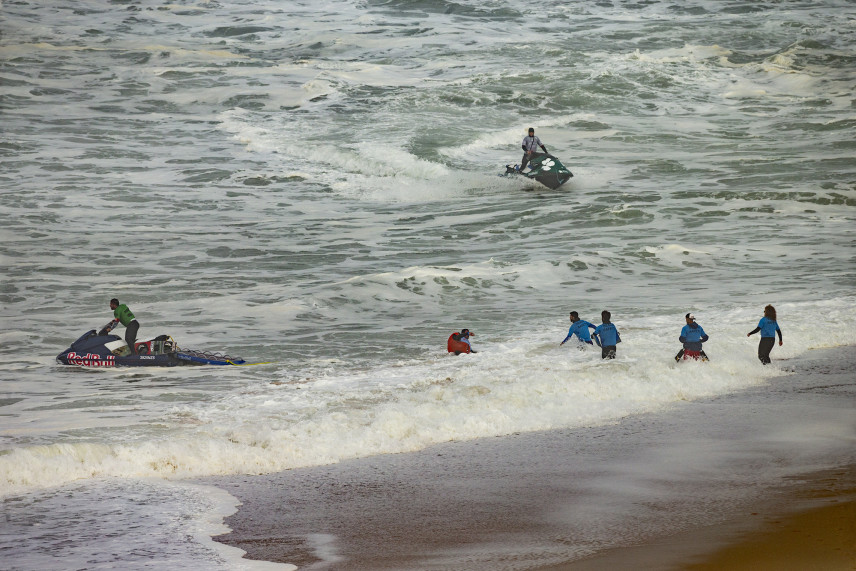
(545,168)
(95,349)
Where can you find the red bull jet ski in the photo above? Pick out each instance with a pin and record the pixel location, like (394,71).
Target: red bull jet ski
(96,350)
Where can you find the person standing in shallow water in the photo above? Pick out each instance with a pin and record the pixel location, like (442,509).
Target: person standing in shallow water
(769,327)
(579,327)
(606,336)
(460,342)
(692,336)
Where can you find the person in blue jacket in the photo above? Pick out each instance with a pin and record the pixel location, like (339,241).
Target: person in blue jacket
(606,336)
(579,327)
(769,327)
(692,336)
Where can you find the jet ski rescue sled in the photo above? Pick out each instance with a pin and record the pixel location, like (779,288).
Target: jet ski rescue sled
(94,350)
(545,168)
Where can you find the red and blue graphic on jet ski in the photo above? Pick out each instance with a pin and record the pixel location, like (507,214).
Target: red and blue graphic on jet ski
(94,350)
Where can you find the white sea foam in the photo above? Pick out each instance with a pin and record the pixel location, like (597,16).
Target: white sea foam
(515,383)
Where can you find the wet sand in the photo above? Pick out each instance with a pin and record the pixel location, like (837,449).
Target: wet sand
(762,478)
(810,527)
(822,539)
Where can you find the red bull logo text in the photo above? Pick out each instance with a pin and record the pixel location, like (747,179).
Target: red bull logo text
(91,360)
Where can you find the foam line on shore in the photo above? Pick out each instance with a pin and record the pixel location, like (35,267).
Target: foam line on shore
(545,499)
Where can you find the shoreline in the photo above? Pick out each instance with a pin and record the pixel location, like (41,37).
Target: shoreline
(664,491)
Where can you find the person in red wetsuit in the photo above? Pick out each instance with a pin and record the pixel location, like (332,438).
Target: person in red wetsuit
(460,342)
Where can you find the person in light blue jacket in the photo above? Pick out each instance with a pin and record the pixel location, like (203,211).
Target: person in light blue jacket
(769,327)
(606,336)
(692,336)
(579,327)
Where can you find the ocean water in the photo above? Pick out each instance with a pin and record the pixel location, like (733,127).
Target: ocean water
(313,186)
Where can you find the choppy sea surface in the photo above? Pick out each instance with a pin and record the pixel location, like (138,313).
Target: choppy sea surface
(314,186)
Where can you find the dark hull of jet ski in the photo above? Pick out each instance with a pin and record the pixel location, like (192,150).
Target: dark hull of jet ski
(94,350)
(95,360)
(545,168)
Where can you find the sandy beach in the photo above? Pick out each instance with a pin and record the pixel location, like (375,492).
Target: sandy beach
(760,479)
(811,526)
(822,538)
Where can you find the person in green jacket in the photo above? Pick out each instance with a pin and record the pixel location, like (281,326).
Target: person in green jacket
(125,316)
